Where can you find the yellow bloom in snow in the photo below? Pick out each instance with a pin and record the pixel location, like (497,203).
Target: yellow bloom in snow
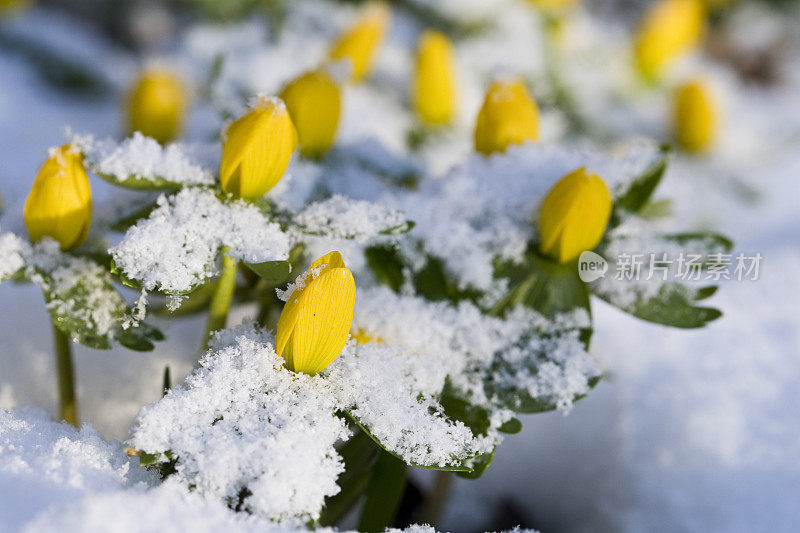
(694,116)
(574,215)
(314,101)
(508,116)
(156,105)
(433,89)
(360,43)
(551,5)
(670,29)
(316,320)
(256,149)
(59,205)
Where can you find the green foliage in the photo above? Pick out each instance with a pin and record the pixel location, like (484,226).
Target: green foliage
(140,183)
(272,272)
(673,305)
(639,190)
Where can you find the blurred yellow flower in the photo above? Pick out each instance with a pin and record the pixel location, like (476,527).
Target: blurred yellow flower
(314,101)
(59,205)
(552,5)
(360,43)
(362,337)
(156,105)
(433,89)
(256,149)
(669,29)
(694,116)
(10,6)
(315,323)
(574,215)
(508,116)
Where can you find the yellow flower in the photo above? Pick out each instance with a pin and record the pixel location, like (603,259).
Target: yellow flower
(694,116)
(551,5)
(508,116)
(434,85)
(670,29)
(314,101)
(315,323)
(59,205)
(156,105)
(362,337)
(256,149)
(360,43)
(573,216)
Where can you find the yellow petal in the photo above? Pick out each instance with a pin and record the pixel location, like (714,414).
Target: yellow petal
(508,116)
(433,90)
(669,30)
(359,44)
(59,205)
(315,323)
(694,116)
(256,150)
(314,103)
(156,105)
(574,215)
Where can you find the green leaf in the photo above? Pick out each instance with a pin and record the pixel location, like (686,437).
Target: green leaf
(541,284)
(704,242)
(139,183)
(386,265)
(131,217)
(673,305)
(384,493)
(363,428)
(640,189)
(273,272)
(433,283)
(479,465)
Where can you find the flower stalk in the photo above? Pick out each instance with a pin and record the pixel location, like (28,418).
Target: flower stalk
(223,296)
(65,377)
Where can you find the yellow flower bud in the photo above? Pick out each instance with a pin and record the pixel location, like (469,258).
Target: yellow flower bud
(670,29)
(256,149)
(694,116)
(59,205)
(316,320)
(508,116)
(314,101)
(433,91)
(156,105)
(360,43)
(574,215)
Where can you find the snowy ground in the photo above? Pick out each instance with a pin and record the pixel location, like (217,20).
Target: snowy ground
(691,431)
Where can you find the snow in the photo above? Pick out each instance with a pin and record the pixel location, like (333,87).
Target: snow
(339,217)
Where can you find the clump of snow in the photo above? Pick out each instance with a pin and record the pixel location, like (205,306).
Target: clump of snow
(175,249)
(12,249)
(299,283)
(246,431)
(143,158)
(43,463)
(339,217)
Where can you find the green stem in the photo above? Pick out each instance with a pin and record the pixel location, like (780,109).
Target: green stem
(221,301)
(384,493)
(67,404)
(437,499)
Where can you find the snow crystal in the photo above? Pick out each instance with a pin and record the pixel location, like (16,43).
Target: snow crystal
(339,217)
(11,255)
(142,158)
(245,430)
(175,249)
(299,283)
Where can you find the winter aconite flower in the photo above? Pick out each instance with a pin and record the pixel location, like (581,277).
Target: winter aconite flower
(315,323)
(574,215)
(360,43)
(59,205)
(314,101)
(669,30)
(156,105)
(433,89)
(256,149)
(508,116)
(694,116)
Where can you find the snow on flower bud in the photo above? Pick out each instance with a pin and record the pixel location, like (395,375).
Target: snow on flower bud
(574,215)
(670,29)
(314,101)
(433,89)
(256,149)
(315,323)
(156,105)
(360,43)
(59,205)
(694,116)
(508,116)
